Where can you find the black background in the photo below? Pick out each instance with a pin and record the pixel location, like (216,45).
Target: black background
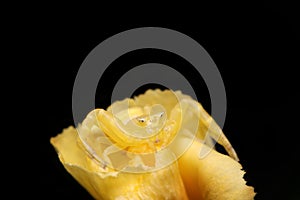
(255,47)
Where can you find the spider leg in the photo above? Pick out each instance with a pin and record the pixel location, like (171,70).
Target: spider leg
(208,126)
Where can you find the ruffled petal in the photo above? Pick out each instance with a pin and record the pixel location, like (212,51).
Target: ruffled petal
(104,183)
(214,177)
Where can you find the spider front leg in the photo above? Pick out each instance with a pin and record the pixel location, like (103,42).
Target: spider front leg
(208,127)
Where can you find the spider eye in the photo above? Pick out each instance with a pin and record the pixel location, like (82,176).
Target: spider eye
(141,120)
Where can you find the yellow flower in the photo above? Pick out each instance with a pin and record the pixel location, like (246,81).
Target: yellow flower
(154,146)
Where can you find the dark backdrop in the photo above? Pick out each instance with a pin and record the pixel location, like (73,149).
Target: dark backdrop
(255,47)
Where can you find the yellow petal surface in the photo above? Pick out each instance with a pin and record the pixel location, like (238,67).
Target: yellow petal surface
(214,177)
(105,183)
(167,98)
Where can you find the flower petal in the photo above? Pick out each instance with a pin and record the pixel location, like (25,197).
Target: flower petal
(105,183)
(167,98)
(213,177)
